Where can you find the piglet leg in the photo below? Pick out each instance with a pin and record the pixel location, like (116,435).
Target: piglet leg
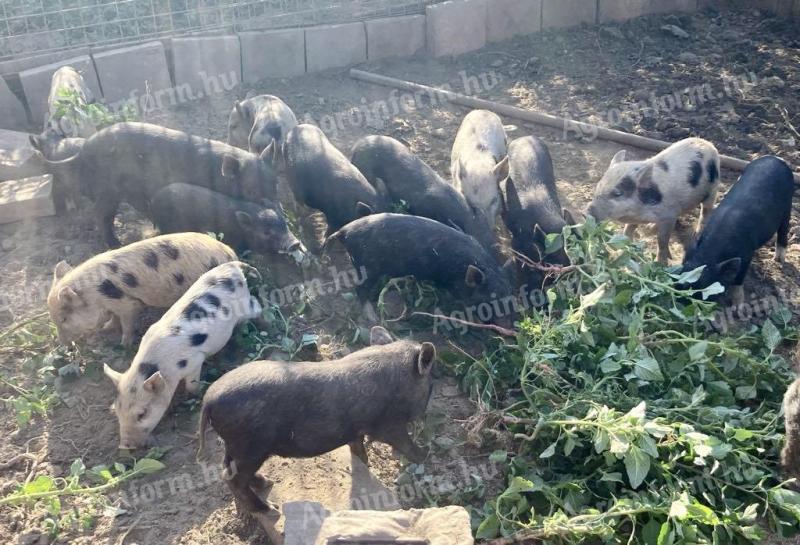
(630,231)
(398,438)
(783,240)
(665,229)
(128,313)
(737,295)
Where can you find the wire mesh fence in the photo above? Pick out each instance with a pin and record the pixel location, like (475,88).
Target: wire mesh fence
(37,26)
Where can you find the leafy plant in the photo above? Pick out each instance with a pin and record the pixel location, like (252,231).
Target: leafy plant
(50,492)
(70,106)
(633,419)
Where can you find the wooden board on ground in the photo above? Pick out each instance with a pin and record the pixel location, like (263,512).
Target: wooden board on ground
(26,198)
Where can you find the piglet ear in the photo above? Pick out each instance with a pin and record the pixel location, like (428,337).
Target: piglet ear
(245,220)
(67,294)
(511,200)
(620,157)
(427,355)
(645,175)
(35,142)
(231,166)
(378,335)
(111,374)
(501,170)
(268,154)
(363,209)
(474,277)
(61,270)
(568,217)
(155,384)
(728,269)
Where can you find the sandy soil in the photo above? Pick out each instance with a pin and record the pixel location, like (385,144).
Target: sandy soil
(582,73)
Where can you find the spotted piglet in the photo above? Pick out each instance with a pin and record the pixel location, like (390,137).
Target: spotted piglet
(115,286)
(198,325)
(659,190)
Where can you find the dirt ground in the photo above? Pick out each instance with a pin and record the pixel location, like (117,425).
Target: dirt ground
(598,74)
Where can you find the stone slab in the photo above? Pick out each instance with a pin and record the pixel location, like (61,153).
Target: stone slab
(36,83)
(622,10)
(129,72)
(12,112)
(26,198)
(273,54)
(208,65)
(335,46)
(395,37)
(309,523)
(456,27)
(566,13)
(509,18)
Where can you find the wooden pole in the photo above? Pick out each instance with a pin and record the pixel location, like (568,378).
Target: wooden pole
(536,117)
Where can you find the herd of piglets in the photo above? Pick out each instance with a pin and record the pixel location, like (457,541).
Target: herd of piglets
(189,185)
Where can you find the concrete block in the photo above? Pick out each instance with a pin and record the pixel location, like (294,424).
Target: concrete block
(14,66)
(334,46)
(17,158)
(456,27)
(509,18)
(12,112)
(622,10)
(566,13)
(273,54)
(395,37)
(128,73)
(208,65)
(36,83)
(27,198)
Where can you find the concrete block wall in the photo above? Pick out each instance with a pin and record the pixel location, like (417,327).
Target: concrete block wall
(210,64)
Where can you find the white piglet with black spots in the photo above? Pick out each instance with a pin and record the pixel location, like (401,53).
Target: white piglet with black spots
(198,325)
(660,189)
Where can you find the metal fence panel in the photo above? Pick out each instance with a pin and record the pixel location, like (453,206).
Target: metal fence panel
(37,26)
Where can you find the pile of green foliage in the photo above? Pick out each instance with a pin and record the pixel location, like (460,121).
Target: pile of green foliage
(633,419)
(70,107)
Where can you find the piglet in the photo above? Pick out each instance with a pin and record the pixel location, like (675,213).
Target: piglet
(660,189)
(321,177)
(117,285)
(408,179)
(478,161)
(396,245)
(531,206)
(757,207)
(258,121)
(174,348)
(304,409)
(245,225)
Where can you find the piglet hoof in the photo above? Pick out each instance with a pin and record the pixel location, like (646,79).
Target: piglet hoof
(780,255)
(267,520)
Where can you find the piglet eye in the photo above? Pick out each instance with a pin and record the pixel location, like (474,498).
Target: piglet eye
(616,193)
(141,415)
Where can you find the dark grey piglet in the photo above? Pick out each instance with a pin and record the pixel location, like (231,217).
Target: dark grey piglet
(321,177)
(408,179)
(245,225)
(304,409)
(757,207)
(395,245)
(131,162)
(531,206)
